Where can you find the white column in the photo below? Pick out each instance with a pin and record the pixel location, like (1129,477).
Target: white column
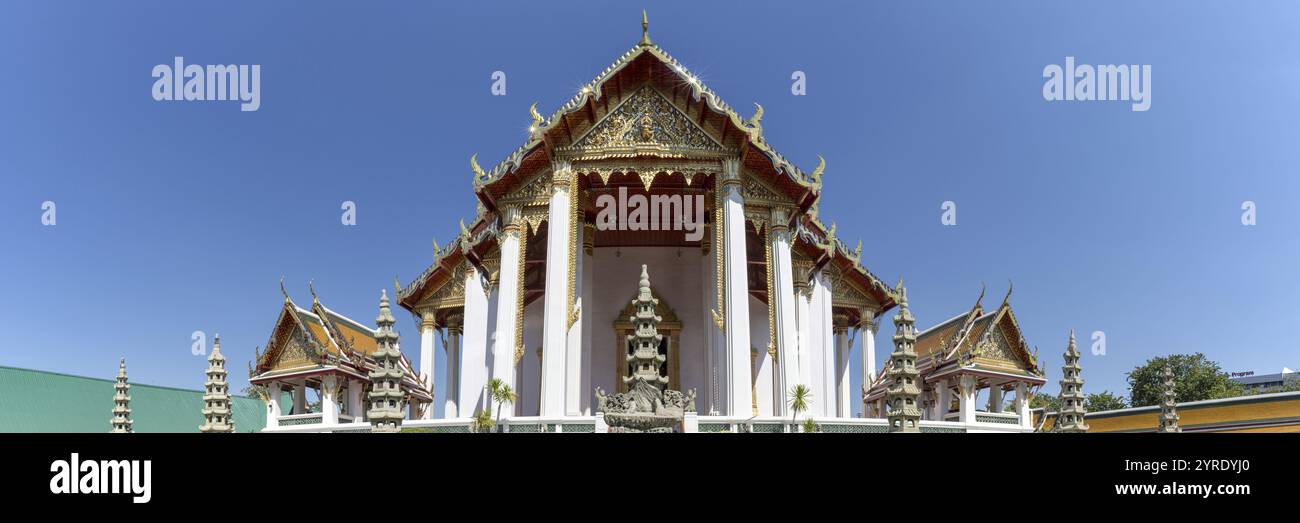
(273,392)
(842,348)
(1022,406)
(713,336)
(739,393)
(867,334)
(824,350)
(555,322)
(428,331)
(787,341)
(573,341)
(807,343)
(586,390)
(329,397)
(967,385)
(356,407)
(995,398)
(945,398)
(300,397)
(452,385)
(473,346)
(509,292)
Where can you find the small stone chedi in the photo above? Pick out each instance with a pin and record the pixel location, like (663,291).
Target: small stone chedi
(647,406)
(387,398)
(1071,417)
(904,415)
(122,401)
(1169,405)
(216,397)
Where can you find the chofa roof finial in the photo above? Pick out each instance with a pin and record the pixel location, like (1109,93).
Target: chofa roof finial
(645,30)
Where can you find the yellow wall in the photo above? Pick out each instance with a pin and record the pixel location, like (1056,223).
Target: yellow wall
(1245,409)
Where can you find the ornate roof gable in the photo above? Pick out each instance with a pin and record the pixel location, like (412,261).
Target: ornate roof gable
(644,123)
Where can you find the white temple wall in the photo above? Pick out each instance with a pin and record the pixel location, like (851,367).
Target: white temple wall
(675,279)
(529,387)
(764,368)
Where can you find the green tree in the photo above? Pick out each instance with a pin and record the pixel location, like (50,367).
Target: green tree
(800,399)
(1196,378)
(500,392)
(483,421)
(1045,402)
(1103,401)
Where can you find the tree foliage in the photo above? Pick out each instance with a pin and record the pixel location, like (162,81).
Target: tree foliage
(1103,401)
(1046,402)
(1196,378)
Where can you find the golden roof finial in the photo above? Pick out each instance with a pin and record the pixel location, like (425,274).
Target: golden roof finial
(311,285)
(645,30)
(397,287)
(1006,299)
(282,291)
(537,117)
(817,172)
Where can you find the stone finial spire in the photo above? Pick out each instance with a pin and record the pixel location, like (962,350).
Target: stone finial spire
(1169,404)
(387,397)
(645,358)
(645,30)
(904,414)
(217,415)
(1071,416)
(122,422)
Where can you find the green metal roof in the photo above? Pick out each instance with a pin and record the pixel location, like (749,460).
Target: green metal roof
(39,401)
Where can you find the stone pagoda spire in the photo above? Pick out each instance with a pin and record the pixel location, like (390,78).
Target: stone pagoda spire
(1169,404)
(1071,416)
(216,397)
(387,398)
(122,401)
(645,358)
(904,415)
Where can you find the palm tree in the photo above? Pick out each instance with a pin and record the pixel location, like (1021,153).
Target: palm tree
(483,421)
(500,392)
(800,398)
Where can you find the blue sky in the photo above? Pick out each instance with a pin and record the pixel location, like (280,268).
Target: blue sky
(175,217)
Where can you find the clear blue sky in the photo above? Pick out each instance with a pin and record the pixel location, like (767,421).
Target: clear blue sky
(176,217)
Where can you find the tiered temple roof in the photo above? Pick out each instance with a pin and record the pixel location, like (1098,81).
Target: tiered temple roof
(310,343)
(716,129)
(987,344)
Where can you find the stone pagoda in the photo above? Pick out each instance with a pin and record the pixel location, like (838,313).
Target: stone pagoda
(1071,416)
(386,398)
(217,415)
(647,406)
(1169,404)
(904,414)
(644,358)
(122,401)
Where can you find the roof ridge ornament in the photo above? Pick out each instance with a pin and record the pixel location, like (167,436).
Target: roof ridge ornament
(284,292)
(537,118)
(645,31)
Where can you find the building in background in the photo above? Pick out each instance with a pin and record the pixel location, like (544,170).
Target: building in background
(39,401)
(1259,382)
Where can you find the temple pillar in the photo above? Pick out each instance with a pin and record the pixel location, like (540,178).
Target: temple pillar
(586,274)
(509,319)
(473,374)
(329,397)
(451,386)
(740,391)
(573,340)
(428,331)
(712,393)
(945,399)
(841,330)
(805,337)
(967,387)
(867,358)
(824,348)
(556,301)
(995,398)
(1022,406)
(273,393)
(356,408)
(786,338)
(300,397)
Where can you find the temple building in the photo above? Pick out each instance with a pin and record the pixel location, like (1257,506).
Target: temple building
(646,168)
